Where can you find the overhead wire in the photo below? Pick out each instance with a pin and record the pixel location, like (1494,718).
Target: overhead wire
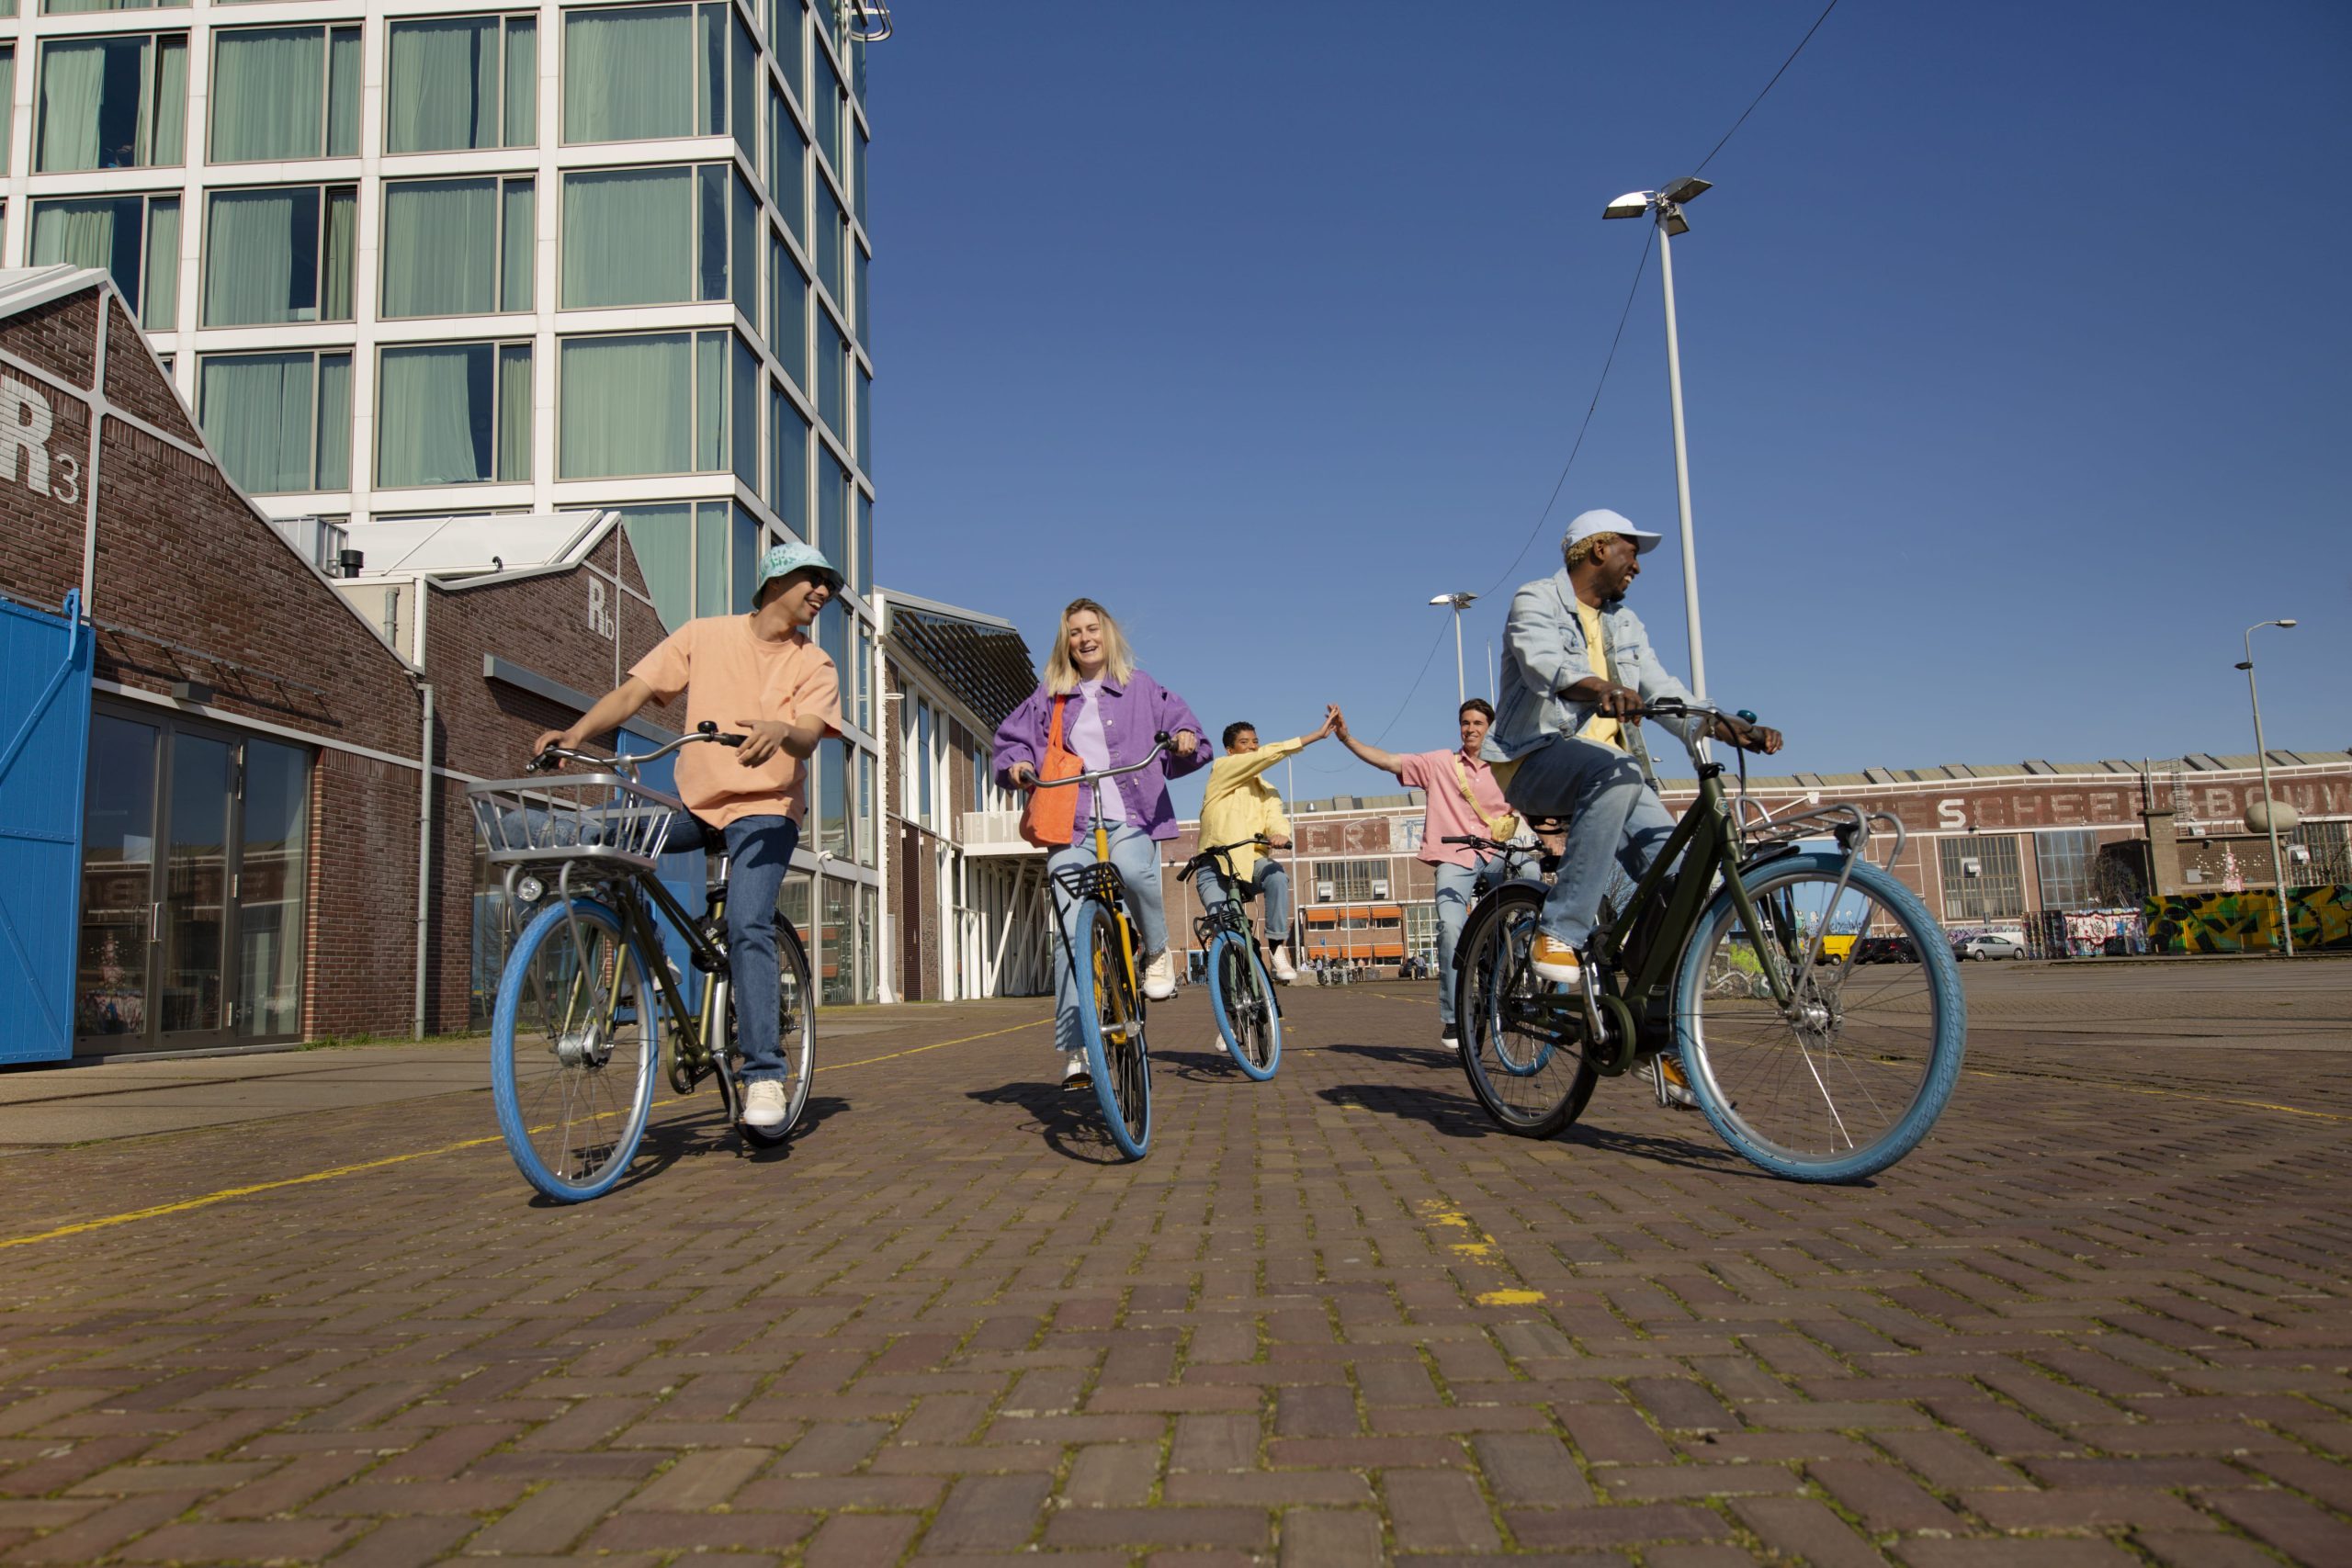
(1750,109)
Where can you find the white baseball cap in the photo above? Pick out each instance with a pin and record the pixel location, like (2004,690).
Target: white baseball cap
(1602,521)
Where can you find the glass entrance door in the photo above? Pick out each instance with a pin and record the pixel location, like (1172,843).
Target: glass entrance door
(193,881)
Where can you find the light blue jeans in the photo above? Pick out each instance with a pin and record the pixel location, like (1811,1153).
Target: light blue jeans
(1456,886)
(1273,882)
(1136,856)
(1613,815)
(759,852)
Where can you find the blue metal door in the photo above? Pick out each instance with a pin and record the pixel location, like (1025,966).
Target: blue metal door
(44,747)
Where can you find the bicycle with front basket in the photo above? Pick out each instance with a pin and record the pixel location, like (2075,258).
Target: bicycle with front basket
(1241,994)
(1809,1068)
(574,1038)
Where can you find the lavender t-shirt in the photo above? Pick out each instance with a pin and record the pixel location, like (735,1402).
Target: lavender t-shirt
(1093,748)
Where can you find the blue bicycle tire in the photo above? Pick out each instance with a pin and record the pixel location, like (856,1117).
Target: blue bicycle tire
(1947,1038)
(1116,1076)
(1247,951)
(506,1091)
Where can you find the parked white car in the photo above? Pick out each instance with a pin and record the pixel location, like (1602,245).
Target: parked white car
(1992,944)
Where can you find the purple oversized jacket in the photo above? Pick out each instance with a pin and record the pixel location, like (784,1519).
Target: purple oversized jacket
(1132,716)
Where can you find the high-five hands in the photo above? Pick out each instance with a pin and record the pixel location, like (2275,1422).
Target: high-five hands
(1334,721)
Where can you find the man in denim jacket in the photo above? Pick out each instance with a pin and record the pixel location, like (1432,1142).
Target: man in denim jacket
(1577,667)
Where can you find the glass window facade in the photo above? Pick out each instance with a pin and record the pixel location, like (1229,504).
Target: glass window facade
(453,413)
(643,403)
(280,93)
(280,422)
(457,247)
(1981,877)
(279,254)
(117,102)
(660,235)
(463,82)
(634,73)
(2066,865)
(136,238)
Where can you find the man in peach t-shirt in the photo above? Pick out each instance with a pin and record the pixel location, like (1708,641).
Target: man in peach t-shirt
(1464,800)
(759,676)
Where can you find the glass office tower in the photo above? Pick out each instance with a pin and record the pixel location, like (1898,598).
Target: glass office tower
(410,259)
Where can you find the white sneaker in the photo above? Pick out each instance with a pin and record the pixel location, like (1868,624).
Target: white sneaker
(1159,976)
(763,1106)
(1216,1044)
(1554,961)
(1278,959)
(1074,1073)
(1450,1041)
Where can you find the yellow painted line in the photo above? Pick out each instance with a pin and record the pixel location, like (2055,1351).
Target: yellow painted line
(1507,1298)
(1445,1216)
(225,1194)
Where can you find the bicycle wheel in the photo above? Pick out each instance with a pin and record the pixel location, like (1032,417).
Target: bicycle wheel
(573,1051)
(1531,1078)
(796,1031)
(1242,998)
(1110,1020)
(1851,1082)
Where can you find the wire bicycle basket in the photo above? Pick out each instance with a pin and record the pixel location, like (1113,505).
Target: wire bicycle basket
(589,820)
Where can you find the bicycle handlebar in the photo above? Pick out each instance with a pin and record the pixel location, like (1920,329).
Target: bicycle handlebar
(1164,740)
(556,756)
(1220,854)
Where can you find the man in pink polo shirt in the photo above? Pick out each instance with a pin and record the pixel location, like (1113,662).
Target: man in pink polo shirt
(1463,798)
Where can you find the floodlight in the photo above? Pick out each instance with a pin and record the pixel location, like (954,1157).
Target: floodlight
(1684,190)
(1676,225)
(2286,622)
(1633,204)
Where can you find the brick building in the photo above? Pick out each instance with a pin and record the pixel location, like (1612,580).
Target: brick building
(2066,855)
(275,759)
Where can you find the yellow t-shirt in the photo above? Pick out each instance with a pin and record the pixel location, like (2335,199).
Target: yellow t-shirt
(736,677)
(1600,727)
(1239,803)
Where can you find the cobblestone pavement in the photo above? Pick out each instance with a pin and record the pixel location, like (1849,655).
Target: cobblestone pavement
(2099,1318)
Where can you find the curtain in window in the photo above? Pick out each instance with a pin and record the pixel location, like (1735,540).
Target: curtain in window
(626,405)
(168,136)
(160,313)
(744,229)
(743,92)
(658,535)
(256,416)
(628,74)
(710,401)
(865,423)
(433,421)
(101,233)
(862,573)
(522,82)
(829,246)
(514,410)
(334,422)
(268,93)
(252,242)
(712,88)
(444,87)
(343,245)
(711,582)
(519,263)
(343,93)
(440,246)
(628,237)
(825,106)
(72,102)
(710,186)
(8,97)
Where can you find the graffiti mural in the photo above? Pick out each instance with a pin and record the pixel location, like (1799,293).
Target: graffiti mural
(2248,923)
(2089,933)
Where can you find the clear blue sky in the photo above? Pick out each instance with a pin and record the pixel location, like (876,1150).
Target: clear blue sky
(2015,345)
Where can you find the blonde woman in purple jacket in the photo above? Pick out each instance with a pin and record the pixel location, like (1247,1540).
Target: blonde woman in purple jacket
(1113,713)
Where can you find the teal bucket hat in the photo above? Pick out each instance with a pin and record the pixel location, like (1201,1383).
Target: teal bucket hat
(783,560)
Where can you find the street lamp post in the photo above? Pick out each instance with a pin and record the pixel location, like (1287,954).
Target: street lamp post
(2269,807)
(1665,207)
(1461,691)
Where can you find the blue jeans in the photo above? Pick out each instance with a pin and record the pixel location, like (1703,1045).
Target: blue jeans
(1136,856)
(1614,814)
(759,852)
(1273,882)
(1455,887)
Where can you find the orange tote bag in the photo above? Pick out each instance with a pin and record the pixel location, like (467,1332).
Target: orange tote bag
(1050,820)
